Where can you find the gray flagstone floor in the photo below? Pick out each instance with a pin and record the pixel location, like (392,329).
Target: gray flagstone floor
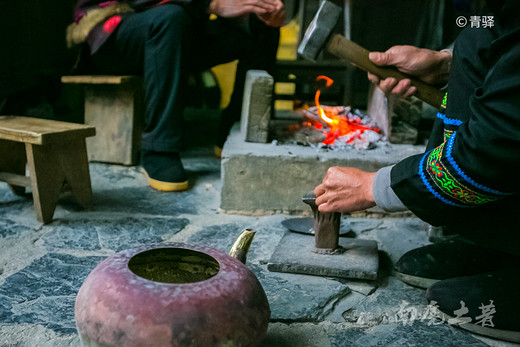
(43,266)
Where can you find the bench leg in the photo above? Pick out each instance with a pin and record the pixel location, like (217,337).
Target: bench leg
(46,179)
(12,160)
(50,166)
(74,163)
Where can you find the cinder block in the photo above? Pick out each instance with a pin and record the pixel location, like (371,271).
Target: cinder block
(260,178)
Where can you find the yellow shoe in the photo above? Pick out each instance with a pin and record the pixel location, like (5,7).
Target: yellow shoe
(218,151)
(166,186)
(164,171)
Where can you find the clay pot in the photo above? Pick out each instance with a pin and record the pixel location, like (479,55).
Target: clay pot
(171,294)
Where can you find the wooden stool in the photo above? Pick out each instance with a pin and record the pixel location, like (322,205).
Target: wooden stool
(55,153)
(114,106)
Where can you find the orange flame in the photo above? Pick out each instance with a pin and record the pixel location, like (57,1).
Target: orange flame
(321,112)
(339,126)
(328,81)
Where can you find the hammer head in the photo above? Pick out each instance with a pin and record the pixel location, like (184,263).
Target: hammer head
(319,30)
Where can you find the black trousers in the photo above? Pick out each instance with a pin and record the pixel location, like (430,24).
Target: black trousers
(164,44)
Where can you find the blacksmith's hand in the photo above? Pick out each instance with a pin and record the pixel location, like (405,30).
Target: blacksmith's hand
(236,8)
(345,189)
(430,66)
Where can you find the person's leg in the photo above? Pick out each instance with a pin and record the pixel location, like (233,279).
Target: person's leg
(485,304)
(451,258)
(222,42)
(155,43)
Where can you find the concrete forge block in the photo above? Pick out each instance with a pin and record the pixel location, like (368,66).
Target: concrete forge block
(260,178)
(256,107)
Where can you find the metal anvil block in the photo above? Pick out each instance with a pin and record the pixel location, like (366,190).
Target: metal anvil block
(326,226)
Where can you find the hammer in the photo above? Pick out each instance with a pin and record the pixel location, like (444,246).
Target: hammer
(318,36)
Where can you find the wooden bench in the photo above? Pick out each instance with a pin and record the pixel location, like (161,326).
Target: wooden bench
(55,153)
(114,105)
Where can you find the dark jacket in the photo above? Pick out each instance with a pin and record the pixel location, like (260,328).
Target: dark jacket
(469,178)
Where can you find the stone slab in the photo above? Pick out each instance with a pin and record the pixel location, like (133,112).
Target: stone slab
(295,254)
(264,178)
(44,292)
(113,234)
(399,335)
(362,287)
(256,106)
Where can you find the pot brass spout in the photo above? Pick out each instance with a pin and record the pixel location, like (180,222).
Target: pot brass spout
(241,246)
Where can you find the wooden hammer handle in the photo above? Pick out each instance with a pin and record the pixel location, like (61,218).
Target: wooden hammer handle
(358,56)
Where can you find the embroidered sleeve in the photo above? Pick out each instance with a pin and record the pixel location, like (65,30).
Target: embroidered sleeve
(443,178)
(475,165)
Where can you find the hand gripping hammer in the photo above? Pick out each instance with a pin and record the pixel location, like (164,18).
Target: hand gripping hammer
(319,35)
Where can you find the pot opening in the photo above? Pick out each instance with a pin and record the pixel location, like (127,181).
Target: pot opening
(173,265)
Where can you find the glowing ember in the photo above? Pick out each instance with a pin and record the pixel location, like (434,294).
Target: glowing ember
(338,123)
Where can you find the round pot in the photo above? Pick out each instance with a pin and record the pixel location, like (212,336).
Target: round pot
(171,294)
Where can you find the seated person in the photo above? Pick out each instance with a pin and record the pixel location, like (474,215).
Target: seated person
(163,41)
(465,181)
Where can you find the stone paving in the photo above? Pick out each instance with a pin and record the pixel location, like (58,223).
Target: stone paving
(43,266)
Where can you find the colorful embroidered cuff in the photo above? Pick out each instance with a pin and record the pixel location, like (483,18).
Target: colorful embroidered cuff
(443,177)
